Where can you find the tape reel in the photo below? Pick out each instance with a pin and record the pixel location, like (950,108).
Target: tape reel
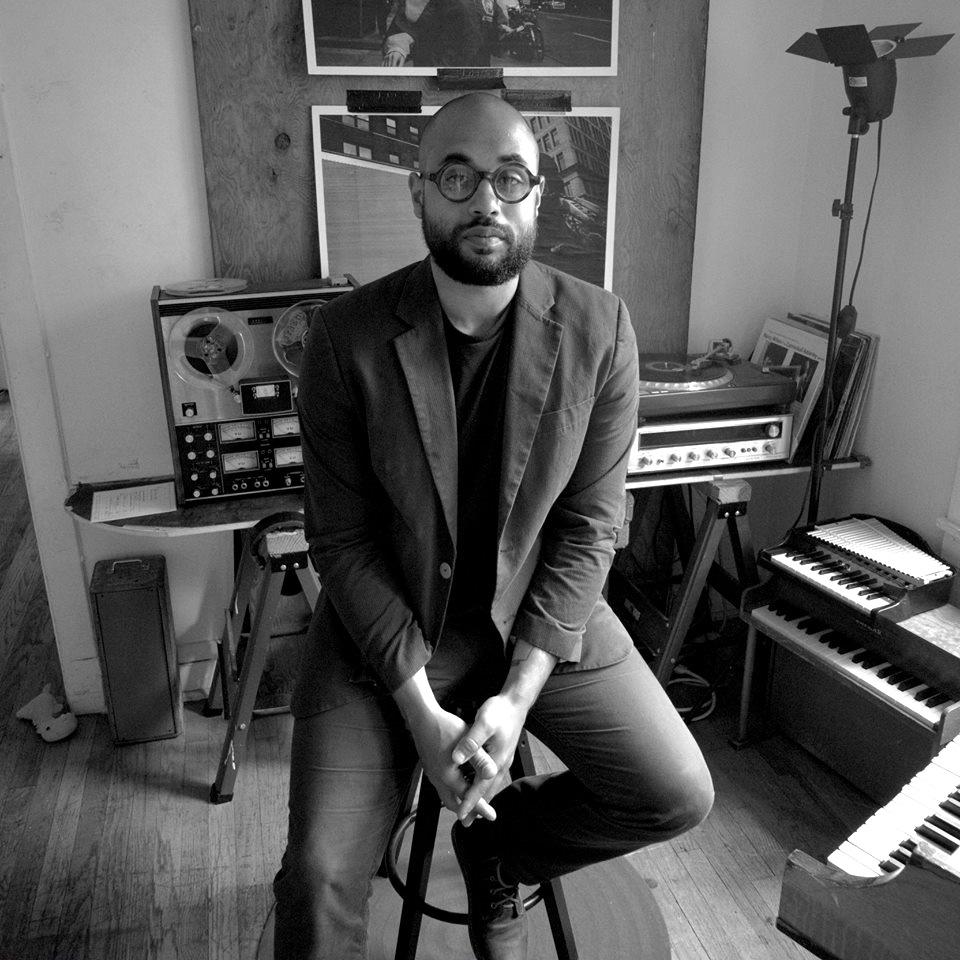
(209,347)
(290,335)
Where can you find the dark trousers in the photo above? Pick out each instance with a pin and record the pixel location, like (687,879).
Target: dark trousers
(635,776)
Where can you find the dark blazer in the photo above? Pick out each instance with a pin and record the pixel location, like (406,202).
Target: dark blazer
(380,452)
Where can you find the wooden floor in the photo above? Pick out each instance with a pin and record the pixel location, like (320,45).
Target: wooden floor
(113,853)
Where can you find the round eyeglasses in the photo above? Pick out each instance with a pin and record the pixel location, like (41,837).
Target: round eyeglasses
(458,181)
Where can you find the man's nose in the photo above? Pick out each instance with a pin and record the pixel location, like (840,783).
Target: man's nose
(484,200)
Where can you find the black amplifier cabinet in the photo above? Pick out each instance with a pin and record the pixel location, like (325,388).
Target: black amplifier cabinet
(134,627)
(229,365)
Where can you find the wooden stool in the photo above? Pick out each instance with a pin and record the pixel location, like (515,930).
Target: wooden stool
(413,889)
(273,547)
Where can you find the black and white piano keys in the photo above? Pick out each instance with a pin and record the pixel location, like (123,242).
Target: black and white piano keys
(891,891)
(866,674)
(816,641)
(842,598)
(860,562)
(926,809)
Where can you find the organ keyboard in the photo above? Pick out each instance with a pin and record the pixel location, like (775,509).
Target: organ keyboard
(816,641)
(866,666)
(859,562)
(891,891)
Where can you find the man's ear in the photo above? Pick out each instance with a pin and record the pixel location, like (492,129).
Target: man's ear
(541,190)
(415,183)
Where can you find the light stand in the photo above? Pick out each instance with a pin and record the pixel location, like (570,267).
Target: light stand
(844,210)
(870,83)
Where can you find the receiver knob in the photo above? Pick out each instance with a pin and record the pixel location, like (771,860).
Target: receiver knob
(674,458)
(729,452)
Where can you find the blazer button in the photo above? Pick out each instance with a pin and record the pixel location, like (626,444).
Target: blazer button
(446,571)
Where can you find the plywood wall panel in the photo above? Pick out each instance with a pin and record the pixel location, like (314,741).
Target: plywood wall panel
(255,96)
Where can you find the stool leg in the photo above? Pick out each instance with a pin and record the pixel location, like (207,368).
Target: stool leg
(559,916)
(418,870)
(254,660)
(554,899)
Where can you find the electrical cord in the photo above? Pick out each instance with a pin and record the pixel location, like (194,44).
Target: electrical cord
(866,221)
(700,707)
(853,285)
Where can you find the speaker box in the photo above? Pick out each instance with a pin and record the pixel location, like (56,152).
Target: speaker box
(134,627)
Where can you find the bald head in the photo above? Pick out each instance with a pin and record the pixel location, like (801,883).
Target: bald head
(480,121)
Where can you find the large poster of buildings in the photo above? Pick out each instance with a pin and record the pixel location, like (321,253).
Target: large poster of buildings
(367,227)
(418,37)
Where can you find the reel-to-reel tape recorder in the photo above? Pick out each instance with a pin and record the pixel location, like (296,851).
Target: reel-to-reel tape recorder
(229,361)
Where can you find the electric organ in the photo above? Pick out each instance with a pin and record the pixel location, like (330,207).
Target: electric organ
(865,673)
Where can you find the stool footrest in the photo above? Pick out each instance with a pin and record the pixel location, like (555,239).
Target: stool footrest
(413,890)
(428,909)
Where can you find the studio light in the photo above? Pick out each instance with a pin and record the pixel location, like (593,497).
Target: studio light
(868,64)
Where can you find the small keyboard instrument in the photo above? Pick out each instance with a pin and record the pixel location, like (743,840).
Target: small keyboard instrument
(865,671)
(891,890)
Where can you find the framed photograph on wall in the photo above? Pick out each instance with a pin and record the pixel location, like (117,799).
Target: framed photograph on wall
(418,37)
(365,218)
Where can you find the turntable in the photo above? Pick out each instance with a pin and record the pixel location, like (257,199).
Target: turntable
(697,412)
(670,384)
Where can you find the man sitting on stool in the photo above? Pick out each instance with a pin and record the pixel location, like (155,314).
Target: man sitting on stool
(466,424)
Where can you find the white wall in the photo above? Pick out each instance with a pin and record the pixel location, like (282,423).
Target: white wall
(102,185)
(774,156)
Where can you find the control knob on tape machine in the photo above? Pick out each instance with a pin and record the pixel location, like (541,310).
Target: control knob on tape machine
(229,359)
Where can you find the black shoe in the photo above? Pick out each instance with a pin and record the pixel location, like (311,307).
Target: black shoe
(497,924)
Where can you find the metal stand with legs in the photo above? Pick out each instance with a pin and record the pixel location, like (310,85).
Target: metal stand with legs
(726,509)
(273,547)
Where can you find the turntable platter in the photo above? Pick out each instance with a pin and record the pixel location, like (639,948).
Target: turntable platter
(672,375)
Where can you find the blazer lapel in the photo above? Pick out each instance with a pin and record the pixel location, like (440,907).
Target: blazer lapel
(536,343)
(422,350)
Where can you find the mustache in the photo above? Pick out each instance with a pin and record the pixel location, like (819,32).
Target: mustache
(488,223)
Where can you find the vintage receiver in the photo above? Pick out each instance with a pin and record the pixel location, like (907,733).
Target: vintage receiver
(700,443)
(229,361)
(702,412)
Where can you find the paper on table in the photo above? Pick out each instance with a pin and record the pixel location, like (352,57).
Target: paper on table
(133,501)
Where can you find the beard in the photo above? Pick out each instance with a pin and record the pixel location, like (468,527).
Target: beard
(477,269)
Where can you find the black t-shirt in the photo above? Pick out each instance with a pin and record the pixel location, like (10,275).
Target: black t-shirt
(478,366)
